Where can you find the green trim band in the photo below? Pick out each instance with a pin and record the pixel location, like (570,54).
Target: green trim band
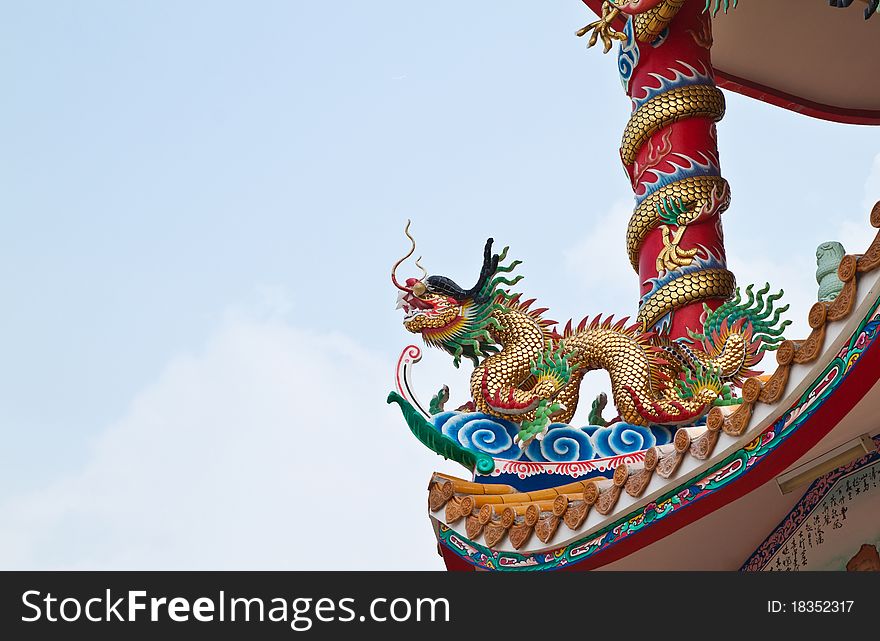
(437,442)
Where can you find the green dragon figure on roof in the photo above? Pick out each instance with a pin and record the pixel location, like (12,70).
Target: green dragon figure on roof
(527,371)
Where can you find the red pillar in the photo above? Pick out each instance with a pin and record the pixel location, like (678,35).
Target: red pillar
(670,153)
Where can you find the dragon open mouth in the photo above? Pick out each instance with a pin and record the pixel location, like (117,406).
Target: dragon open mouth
(413,306)
(429,315)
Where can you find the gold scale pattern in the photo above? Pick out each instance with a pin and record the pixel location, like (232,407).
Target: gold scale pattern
(690,101)
(635,368)
(540,512)
(650,24)
(688,288)
(695,193)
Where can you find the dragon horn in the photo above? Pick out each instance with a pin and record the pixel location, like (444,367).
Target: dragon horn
(419,265)
(412,250)
(490,264)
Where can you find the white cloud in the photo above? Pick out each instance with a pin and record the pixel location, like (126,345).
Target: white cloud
(599,258)
(855,235)
(794,274)
(601,266)
(853,229)
(272,448)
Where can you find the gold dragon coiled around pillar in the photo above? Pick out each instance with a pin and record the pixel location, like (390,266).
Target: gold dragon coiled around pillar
(667,108)
(687,288)
(696,197)
(650,24)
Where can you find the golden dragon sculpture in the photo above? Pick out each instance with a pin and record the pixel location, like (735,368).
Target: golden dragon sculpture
(527,371)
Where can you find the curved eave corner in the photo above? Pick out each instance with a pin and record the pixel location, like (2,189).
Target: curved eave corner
(796,104)
(588,524)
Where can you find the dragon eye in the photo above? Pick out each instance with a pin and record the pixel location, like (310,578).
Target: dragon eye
(419,288)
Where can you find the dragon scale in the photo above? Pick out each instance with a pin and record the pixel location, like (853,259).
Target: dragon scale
(697,336)
(670,153)
(639,367)
(523,366)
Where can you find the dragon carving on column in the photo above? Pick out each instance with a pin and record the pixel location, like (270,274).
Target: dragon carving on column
(696,336)
(669,150)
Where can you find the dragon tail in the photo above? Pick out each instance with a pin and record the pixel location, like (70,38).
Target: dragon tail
(755,321)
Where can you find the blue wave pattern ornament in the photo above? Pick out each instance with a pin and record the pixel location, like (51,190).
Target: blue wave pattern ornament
(627,56)
(561,444)
(694,489)
(624,438)
(480,432)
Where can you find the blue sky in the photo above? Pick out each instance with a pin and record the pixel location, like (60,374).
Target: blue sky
(200,205)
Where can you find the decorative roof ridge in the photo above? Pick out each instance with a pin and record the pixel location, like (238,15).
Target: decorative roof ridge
(541,511)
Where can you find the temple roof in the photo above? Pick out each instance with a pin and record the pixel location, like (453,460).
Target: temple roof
(801,55)
(551,521)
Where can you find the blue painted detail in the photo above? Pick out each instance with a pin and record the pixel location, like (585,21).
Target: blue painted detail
(539,481)
(562,443)
(480,432)
(688,169)
(622,438)
(659,40)
(673,79)
(705,261)
(627,56)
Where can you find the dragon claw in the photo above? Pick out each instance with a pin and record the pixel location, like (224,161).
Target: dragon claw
(527,434)
(538,426)
(672,256)
(602,28)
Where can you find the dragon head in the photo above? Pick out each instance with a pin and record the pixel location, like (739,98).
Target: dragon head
(448,316)
(430,314)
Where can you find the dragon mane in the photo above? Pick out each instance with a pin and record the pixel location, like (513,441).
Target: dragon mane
(472,337)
